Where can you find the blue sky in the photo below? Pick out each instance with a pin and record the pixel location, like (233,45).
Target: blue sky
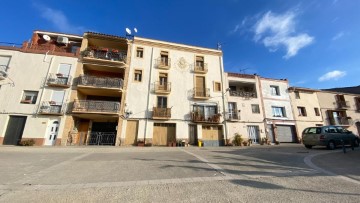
(312,43)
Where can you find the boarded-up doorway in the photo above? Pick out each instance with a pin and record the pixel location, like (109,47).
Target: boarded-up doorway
(131,132)
(164,133)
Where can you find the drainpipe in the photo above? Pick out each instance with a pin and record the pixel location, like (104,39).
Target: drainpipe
(258,79)
(223,97)
(47,75)
(148,95)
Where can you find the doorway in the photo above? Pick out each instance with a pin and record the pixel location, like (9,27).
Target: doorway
(253,132)
(103,133)
(14,130)
(193,137)
(51,136)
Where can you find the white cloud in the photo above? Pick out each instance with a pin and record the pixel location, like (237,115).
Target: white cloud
(236,28)
(338,36)
(332,75)
(59,20)
(276,31)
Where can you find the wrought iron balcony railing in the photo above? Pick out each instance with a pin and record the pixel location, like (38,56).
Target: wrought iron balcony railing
(101,82)
(3,73)
(201,92)
(200,67)
(163,62)
(105,54)
(59,80)
(232,116)
(343,104)
(162,87)
(92,106)
(243,94)
(51,107)
(339,121)
(202,118)
(161,113)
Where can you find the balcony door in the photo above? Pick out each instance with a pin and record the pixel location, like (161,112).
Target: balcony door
(56,101)
(163,79)
(200,86)
(162,102)
(232,110)
(63,73)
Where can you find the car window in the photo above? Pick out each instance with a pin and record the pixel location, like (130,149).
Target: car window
(340,129)
(326,130)
(313,131)
(332,130)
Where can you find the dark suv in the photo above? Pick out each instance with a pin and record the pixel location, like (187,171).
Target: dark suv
(329,136)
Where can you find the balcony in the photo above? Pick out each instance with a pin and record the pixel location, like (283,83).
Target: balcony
(244,94)
(343,104)
(3,73)
(95,82)
(200,68)
(199,117)
(51,108)
(96,107)
(59,80)
(51,49)
(104,55)
(163,63)
(162,87)
(232,116)
(201,93)
(161,113)
(340,121)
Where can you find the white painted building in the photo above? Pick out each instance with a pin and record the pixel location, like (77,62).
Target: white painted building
(278,112)
(36,88)
(174,94)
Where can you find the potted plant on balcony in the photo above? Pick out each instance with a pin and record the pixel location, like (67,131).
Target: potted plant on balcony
(115,51)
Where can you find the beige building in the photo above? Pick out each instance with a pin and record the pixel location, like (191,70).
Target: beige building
(244,107)
(35,84)
(340,109)
(174,94)
(306,108)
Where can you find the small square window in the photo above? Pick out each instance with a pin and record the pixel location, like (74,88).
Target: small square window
(274,90)
(217,87)
(297,94)
(29,97)
(317,112)
(255,108)
(139,52)
(278,111)
(138,75)
(302,111)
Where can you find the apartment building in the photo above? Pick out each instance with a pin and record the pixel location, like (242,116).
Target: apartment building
(278,112)
(244,107)
(306,108)
(174,94)
(95,112)
(341,109)
(35,84)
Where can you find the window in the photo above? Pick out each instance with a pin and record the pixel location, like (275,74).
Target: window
(357,103)
(312,131)
(199,62)
(138,75)
(162,102)
(274,90)
(232,88)
(164,55)
(204,112)
(302,111)
(317,112)
(217,87)
(139,52)
(29,97)
(278,111)
(255,108)
(297,94)
(163,77)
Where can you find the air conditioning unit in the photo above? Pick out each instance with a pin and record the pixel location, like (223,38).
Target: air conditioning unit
(62,40)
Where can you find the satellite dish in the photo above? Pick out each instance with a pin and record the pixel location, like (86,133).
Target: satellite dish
(46,38)
(128,31)
(135,30)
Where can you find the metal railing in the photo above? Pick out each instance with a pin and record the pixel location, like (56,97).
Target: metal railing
(201,92)
(343,104)
(3,73)
(161,112)
(339,121)
(51,107)
(201,117)
(104,54)
(162,86)
(200,67)
(232,116)
(101,138)
(58,79)
(243,94)
(96,106)
(103,82)
(163,62)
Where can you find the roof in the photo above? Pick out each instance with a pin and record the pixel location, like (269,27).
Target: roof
(350,90)
(58,33)
(303,89)
(239,75)
(105,35)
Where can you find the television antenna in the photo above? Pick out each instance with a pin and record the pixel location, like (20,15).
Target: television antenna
(243,70)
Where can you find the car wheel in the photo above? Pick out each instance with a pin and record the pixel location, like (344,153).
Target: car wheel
(331,145)
(308,146)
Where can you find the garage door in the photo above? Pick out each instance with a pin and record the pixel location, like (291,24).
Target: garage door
(131,132)
(212,135)
(164,133)
(285,133)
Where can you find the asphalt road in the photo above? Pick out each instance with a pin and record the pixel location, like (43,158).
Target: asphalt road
(110,174)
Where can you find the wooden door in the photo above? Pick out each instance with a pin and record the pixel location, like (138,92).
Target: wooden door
(82,132)
(131,132)
(200,86)
(164,133)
